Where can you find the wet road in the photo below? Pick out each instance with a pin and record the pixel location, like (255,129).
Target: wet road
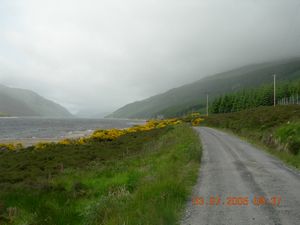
(241,185)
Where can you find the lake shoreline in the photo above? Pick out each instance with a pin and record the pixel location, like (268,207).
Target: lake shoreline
(27,142)
(30,131)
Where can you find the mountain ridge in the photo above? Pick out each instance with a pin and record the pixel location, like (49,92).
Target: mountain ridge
(192,96)
(22,102)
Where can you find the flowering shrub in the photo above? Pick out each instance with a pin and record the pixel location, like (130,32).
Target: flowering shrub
(40,146)
(107,135)
(193,118)
(101,135)
(112,134)
(66,142)
(11,147)
(195,114)
(197,121)
(81,141)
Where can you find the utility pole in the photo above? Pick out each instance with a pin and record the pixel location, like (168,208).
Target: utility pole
(274,89)
(207,105)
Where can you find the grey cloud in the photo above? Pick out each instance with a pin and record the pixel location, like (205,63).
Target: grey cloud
(96,56)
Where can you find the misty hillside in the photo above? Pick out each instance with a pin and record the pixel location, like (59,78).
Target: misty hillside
(189,97)
(19,102)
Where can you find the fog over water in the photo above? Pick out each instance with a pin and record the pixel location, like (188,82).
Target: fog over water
(95,56)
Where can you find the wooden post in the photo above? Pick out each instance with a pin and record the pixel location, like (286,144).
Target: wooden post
(207,105)
(274,89)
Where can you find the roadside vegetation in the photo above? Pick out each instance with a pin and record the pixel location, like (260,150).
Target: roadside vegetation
(142,175)
(276,128)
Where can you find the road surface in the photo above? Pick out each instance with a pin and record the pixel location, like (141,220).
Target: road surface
(235,180)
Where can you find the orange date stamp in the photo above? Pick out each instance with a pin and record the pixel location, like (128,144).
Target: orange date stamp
(256,200)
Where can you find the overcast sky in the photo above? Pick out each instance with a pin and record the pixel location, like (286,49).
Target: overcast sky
(97,55)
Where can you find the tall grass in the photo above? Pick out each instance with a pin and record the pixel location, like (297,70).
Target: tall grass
(141,178)
(277,130)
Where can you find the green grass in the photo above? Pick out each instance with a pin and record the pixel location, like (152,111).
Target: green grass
(277,130)
(141,178)
(290,134)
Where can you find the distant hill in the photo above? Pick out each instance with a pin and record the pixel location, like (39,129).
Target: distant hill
(20,102)
(190,97)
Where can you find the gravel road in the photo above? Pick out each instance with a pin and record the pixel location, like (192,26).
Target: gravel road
(241,185)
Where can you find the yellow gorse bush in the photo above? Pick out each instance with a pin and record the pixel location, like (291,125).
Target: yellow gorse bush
(81,141)
(41,145)
(109,135)
(195,114)
(196,122)
(193,118)
(11,147)
(66,142)
(101,135)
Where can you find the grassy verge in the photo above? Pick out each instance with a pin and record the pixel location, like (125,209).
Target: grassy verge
(139,178)
(276,130)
